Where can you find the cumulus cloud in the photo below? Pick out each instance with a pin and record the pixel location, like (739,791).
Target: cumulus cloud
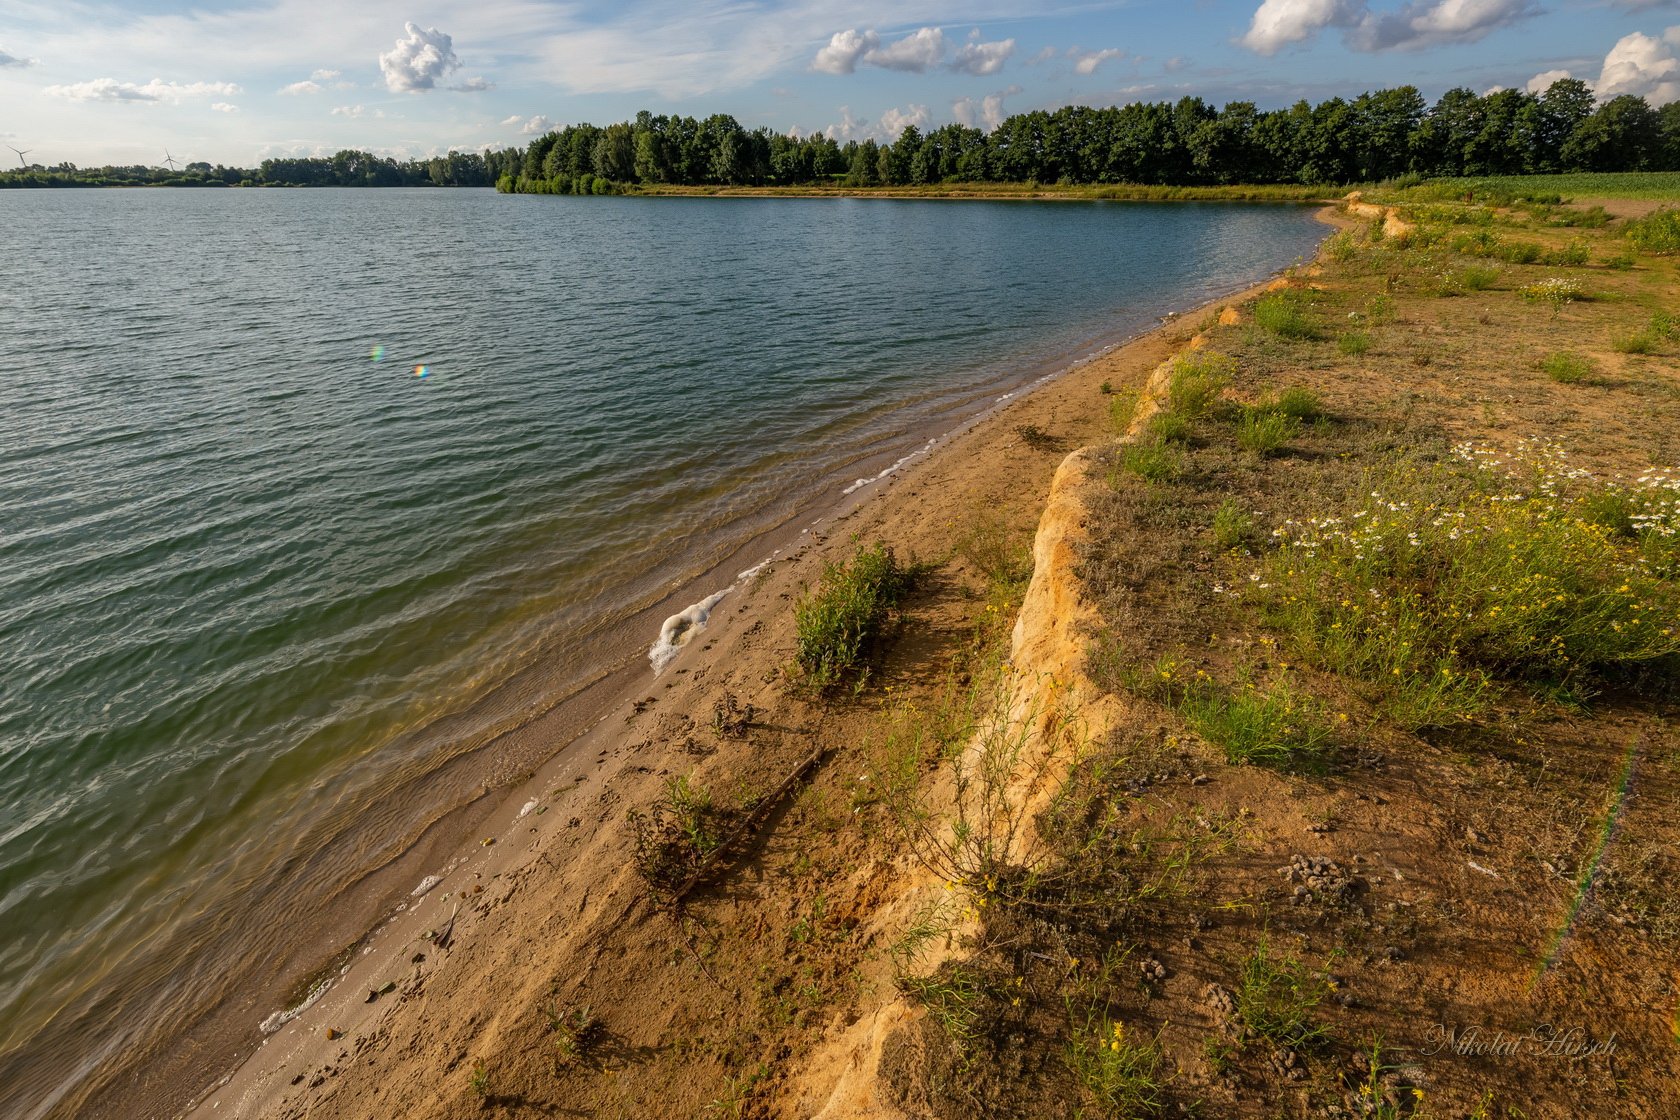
(980,59)
(1644,66)
(844,50)
(7,60)
(419,59)
(848,128)
(1043,54)
(1086,62)
(298,89)
(917,53)
(324,75)
(223,107)
(895,121)
(109,89)
(473,85)
(1542,81)
(1418,24)
(987,113)
(530,126)
(351,111)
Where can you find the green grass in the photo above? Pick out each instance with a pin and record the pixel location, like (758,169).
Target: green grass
(1502,189)
(1284,314)
(1354,343)
(1233,526)
(1296,401)
(1638,342)
(1277,999)
(1198,379)
(1264,432)
(1172,427)
(1568,369)
(838,624)
(1477,278)
(1437,583)
(1274,726)
(1153,459)
(1657,233)
(1124,1078)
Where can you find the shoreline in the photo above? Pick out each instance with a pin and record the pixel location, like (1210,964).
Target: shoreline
(448,864)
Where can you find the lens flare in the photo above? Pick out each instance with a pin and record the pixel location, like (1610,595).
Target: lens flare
(1589,871)
(422,371)
(377,353)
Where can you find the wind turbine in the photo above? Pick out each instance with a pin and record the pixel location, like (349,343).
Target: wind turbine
(168,160)
(20,155)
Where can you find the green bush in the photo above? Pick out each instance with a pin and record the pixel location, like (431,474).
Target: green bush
(1274,727)
(1153,459)
(1232,525)
(1477,278)
(1262,431)
(1354,343)
(1568,369)
(841,620)
(1297,401)
(1170,426)
(1655,233)
(1198,377)
(1639,342)
(1283,314)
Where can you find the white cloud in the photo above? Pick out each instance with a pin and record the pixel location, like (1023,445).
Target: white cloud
(917,53)
(1542,82)
(297,89)
(418,60)
(1086,62)
(1416,25)
(530,126)
(895,121)
(1174,64)
(7,59)
(1043,54)
(324,75)
(843,51)
(987,113)
(1644,66)
(473,85)
(975,57)
(223,107)
(109,89)
(849,127)
(351,111)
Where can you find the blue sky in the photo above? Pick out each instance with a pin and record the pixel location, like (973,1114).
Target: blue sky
(235,81)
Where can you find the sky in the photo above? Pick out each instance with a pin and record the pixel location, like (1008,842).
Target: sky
(239,81)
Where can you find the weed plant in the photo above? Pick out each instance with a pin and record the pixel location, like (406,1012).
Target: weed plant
(1284,314)
(1123,1078)
(1657,233)
(1567,369)
(1277,998)
(839,623)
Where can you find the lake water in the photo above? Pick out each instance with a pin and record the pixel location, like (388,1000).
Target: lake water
(290,481)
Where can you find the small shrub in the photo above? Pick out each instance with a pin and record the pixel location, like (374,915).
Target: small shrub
(952,998)
(1282,314)
(575,1030)
(1122,407)
(1477,278)
(1106,388)
(1153,459)
(676,837)
(1123,1078)
(1379,309)
(1037,438)
(1665,324)
(1170,426)
(990,547)
(1621,262)
(1639,342)
(841,620)
(1354,343)
(1568,369)
(1573,255)
(1657,233)
(1342,247)
(1297,401)
(1232,525)
(1198,378)
(1555,292)
(1519,252)
(1277,998)
(1263,432)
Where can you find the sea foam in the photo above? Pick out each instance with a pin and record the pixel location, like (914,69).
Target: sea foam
(680,629)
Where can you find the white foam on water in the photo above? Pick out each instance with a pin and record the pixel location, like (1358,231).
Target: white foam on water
(426,884)
(742,577)
(525,809)
(680,629)
(280,1018)
(862,482)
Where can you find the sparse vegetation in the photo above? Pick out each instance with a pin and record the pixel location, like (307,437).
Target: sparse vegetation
(1123,1077)
(1277,999)
(1567,369)
(1284,314)
(840,622)
(1262,431)
(1657,233)
(1354,343)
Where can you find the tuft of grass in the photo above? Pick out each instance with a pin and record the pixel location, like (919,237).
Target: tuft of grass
(1170,426)
(1282,313)
(1555,292)
(1639,342)
(1566,368)
(479,1080)
(1123,1077)
(1233,526)
(1354,343)
(1277,998)
(1263,432)
(952,998)
(1198,378)
(1153,459)
(1621,262)
(1122,406)
(838,624)
(1275,726)
(1296,401)
(1477,278)
(676,836)
(1665,324)
(989,546)
(575,1030)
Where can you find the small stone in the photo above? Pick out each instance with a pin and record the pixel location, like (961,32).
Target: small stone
(333,1034)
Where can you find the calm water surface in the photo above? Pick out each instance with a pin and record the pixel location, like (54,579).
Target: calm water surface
(257,574)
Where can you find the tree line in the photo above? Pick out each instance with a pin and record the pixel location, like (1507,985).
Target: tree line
(1375,136)
(348,168)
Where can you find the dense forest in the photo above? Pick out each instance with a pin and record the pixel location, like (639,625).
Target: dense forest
(346,169)
(1375,136)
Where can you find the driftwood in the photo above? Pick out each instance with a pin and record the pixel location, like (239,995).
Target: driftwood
(747,824)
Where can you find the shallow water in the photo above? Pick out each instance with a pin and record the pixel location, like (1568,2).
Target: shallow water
(256,569)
